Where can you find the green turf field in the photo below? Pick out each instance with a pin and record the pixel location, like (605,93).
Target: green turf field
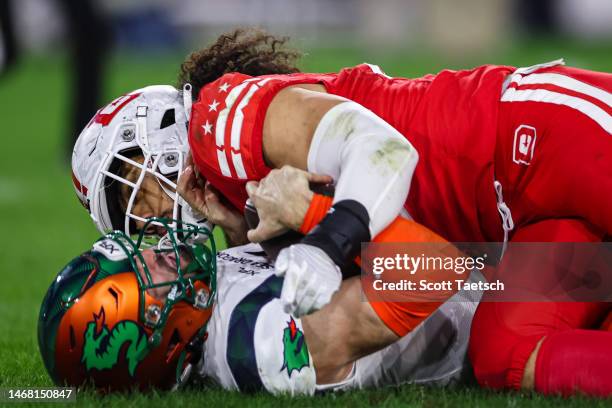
(44,226)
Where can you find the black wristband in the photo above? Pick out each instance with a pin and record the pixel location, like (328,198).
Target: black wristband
(341,232)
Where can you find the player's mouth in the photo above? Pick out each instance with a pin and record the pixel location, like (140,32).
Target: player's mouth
(168,260)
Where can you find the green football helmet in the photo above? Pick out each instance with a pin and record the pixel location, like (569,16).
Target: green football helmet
(107,321)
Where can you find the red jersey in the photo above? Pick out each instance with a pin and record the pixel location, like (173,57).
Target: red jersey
(450,118)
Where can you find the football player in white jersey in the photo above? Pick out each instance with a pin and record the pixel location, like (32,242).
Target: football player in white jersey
(120,317)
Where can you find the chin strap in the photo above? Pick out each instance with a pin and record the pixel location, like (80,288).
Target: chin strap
(183,377)
(187,101)
(195,349)
(141,133)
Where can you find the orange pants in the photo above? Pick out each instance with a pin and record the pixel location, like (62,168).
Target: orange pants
(403,316)
(399,316)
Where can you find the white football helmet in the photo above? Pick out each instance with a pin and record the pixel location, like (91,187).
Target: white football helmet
(151,122)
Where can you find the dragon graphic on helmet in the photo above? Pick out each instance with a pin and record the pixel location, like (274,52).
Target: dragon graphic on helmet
(110,321)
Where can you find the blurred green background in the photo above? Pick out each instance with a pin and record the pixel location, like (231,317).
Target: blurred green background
(44,225)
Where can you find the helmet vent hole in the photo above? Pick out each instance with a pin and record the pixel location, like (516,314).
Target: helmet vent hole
(115,295)
(72,339)
(173,344)
(168,119)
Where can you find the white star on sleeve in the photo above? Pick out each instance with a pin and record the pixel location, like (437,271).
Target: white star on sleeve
(224,87)
(207,127)
(213,106)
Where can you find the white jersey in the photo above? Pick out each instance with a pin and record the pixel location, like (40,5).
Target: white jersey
(253,345)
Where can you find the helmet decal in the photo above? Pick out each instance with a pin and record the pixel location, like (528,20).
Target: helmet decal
(106,114)
(102,346)
(81,191)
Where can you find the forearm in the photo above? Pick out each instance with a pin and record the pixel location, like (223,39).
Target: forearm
(372,165)
(344,331)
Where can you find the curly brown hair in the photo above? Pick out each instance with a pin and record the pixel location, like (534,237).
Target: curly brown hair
(250,51)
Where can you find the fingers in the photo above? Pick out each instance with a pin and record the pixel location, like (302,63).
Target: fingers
(210,193)
(224,215)
(308,301)
(251,188)
(264,231)
(205,199)
(289,293)
(319,178)
(185,180)
(282,263)
(256,235)
(310,279)
(187,188)
(216,210)
(188,160)
(289,173)
(188,181)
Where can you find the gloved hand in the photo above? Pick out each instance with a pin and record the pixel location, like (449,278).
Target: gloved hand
(311,278)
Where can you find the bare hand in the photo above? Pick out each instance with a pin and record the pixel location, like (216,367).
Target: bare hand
(191,188)
(282,199)
(205,199)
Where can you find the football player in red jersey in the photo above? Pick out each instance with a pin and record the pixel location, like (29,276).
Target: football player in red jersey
(470,128)
(532,145)
(125,165)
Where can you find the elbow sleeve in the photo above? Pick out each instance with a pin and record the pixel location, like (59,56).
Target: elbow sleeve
(371,162)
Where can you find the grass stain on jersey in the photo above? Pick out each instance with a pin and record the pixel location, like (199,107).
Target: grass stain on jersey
(102,346)
(295,351)
(392,154)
